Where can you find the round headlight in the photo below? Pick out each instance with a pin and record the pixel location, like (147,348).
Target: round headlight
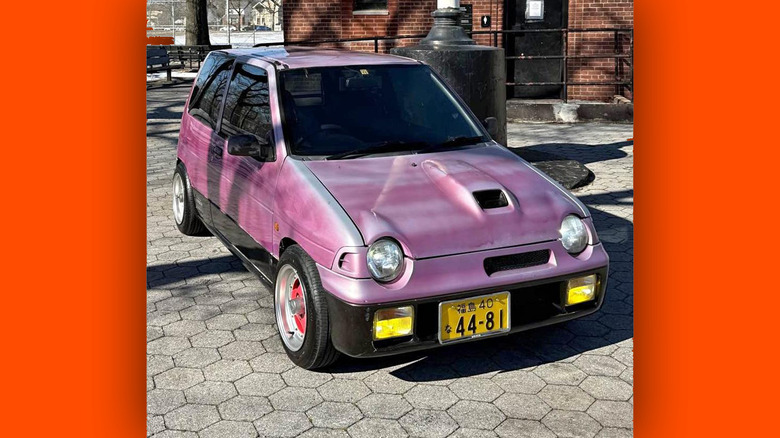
(574,236)
(385,260)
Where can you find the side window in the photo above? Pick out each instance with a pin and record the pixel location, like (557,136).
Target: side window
(209,88)
(247,108)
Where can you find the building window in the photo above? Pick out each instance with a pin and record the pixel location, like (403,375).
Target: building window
(370,7)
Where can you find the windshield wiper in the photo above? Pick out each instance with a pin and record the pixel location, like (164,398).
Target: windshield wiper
(387,146)
(453,142)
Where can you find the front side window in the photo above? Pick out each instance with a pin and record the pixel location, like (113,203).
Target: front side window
(334,110)
(247,108)
(209,88)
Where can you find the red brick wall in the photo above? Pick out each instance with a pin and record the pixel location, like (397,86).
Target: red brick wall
(333,19)
(585,14)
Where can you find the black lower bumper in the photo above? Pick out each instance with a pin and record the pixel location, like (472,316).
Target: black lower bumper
(533,304)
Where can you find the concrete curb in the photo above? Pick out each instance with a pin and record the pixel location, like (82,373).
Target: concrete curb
(555,111)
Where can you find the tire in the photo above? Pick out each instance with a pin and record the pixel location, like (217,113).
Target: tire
(316,349)
(184,213)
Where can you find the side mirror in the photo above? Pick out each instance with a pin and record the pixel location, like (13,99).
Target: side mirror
(491,124)
(250,146)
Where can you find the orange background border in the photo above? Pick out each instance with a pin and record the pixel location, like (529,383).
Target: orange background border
(74,173)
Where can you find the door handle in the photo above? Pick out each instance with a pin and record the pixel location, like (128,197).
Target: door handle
(217,151)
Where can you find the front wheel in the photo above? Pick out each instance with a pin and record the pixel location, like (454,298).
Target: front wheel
(302,311)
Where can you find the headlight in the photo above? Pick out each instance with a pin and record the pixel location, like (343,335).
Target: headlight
(574,236)
(385,260)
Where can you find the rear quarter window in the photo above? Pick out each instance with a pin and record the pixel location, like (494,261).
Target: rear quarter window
(209,88)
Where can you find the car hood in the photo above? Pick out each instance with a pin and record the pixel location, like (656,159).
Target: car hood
(427,201)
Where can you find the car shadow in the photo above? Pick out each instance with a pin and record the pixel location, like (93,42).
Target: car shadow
(160,275)
(612,324)
(584,153)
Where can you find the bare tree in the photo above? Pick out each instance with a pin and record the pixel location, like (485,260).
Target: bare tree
(197,29)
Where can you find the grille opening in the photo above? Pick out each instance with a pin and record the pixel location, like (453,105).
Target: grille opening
(488,199)
(529,304)
(516,261)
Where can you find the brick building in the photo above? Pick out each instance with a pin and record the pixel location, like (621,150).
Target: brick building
(349,19)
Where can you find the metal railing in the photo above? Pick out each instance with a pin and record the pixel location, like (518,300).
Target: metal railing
(623,54)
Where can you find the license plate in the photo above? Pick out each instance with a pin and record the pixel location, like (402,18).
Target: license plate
(474,317)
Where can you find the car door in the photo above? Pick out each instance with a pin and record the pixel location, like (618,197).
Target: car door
(243,212)
(199,129)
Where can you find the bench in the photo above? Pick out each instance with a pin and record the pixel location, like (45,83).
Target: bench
(192,54)
(157,59)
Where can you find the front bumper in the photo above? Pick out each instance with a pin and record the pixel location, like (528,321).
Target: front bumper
(533,304)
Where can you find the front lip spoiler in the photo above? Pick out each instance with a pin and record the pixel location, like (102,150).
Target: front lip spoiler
(352,324)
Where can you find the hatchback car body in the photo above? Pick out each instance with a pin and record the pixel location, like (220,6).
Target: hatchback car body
(378,207)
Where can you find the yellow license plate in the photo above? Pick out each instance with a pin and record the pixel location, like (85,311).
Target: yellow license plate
(474,317)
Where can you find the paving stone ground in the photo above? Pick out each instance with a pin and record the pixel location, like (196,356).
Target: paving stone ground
(216,368)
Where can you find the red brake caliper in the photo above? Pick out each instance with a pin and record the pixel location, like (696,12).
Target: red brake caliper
(300,316)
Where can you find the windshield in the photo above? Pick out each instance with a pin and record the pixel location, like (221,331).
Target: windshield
(338,111)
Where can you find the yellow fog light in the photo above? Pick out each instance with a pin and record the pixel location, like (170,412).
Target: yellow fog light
(581,289)
(393,322)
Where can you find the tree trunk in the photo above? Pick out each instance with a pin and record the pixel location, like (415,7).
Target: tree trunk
(197,29)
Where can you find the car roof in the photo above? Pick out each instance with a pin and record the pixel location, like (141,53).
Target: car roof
(289,57)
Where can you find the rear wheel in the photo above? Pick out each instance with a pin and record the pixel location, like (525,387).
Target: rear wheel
(184,213)
(302,311)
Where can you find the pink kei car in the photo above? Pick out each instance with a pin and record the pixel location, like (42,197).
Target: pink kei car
(376,205)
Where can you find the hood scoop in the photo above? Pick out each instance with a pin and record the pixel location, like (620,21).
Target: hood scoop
(490,199)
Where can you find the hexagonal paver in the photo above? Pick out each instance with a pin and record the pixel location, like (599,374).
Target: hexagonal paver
(191,417)
(196,357)
(612,413)
(342,390)
(611,432)
(244,408)
(212,339)
(476,389)
(254,332)
(271,363)
(178,378)
(262,316)
(628,375)
(283,424)
(226,321)
(569,398)
(321,432)
(389,406)
(607,388)
(167,346)
(476,415)
(334,415)
(227,370)
(472,433)
(595,365)
(162,401)
(560,373)
(428,423)
(376,428)
(305,378)
(519,381)
(295,399)
(431,397)
(387,383)
(184,328)
(175,434)
(242,350)
(210,393)
(229,429)
(523,428)
(571,424)
(262,384)
(200,312)
(522,406)
(157,364)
